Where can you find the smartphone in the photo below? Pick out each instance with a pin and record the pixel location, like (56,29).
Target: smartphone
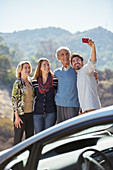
(85,40)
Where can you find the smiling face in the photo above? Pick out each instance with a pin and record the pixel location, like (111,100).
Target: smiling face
(64,57)
(77,63)
(45,67)
(25,70)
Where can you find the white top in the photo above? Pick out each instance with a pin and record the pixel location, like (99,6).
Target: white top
(87,87)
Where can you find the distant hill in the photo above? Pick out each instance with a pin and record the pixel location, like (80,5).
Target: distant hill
(32,41)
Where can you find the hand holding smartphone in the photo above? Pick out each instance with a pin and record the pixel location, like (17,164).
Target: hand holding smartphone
(85,40)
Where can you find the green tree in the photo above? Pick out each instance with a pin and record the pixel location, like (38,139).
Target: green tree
(7,72)
(1,39)
(10,78)
(4,49)
(5,63)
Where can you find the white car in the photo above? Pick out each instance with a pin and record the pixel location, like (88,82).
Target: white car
(84,142)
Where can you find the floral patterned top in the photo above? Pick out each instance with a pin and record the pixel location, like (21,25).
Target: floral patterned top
(18,96)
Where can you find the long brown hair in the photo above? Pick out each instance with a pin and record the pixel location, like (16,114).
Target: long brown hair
(38,72)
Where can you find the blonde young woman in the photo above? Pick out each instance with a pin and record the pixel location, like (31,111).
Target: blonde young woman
(22,100)
(45,85)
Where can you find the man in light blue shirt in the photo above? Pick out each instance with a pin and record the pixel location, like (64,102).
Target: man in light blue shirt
(66,96)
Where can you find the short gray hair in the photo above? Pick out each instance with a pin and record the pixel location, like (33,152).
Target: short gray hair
(63,48)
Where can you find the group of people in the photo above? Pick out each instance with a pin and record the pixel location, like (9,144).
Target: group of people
(50,98)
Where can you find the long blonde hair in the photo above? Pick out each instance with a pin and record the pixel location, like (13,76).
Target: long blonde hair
(38,72)
(20,67)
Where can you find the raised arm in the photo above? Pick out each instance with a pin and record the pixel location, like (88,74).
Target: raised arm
(93,50)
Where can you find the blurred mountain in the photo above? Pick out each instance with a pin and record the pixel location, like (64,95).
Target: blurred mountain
(47,40)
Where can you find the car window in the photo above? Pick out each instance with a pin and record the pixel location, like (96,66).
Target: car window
(63,152)
(93,130)
(19,160)
(24,157)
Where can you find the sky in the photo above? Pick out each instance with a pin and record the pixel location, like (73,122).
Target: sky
(71,15)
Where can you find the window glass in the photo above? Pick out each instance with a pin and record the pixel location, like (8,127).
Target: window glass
(96,130)
(24,157)
(19,160)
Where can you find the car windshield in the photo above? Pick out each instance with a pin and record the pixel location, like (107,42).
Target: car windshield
(96,130)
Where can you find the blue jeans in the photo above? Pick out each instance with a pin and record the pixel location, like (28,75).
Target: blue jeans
(42,122)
